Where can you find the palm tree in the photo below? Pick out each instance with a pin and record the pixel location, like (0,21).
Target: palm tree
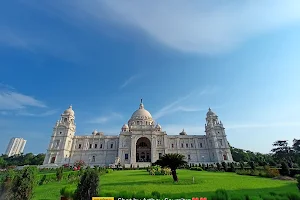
(173,161)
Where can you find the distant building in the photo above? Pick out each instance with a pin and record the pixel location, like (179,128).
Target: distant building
(16,146)
(140,142)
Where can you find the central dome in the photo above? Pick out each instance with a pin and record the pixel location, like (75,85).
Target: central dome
(141,116)
(141,113)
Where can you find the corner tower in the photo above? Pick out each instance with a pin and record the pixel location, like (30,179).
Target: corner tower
(60,147)
(219,149)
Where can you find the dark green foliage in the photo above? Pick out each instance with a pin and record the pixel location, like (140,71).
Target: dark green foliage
(285,170)
(219,166)
(252,165)
(21,160)
(88,185)
(220,195)
(41,182)
(155,195)
(23,184)
(224,165)
(172,161)
(242,165)
(232,167)
(59,173)
(203,166)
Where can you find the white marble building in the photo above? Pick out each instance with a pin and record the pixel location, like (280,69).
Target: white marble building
(140,142)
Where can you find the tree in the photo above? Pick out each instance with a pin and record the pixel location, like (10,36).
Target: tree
(88,185)
(23,184)
(296,145)
(2,163)
(282,152)
(173,161)
(285,170)
(242,165)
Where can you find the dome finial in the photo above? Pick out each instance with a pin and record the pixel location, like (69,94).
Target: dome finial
(141,104)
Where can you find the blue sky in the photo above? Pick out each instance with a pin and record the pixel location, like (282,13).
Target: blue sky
(239,58)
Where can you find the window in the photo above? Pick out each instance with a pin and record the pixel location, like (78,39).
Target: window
(56,143)
(93,159)
(191,145)
(172,145)
(100,146)
(111,146)
(126,156)
(220,142)
(187,145)
(96,146)
(182,145)
(60,132)
(65,119)
(90,146)
(200,145)
(159,155)
(79,146)
(189,157)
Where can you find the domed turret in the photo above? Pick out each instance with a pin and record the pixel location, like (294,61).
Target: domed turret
(94,132)
(158,127)
(125,128)
(69,111)
(182,132)
(210,113)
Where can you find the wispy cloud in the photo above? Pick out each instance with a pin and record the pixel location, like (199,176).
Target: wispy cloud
(12,100)
(106,118)
(204,26)
(177,106)
(128,81)
(43,114)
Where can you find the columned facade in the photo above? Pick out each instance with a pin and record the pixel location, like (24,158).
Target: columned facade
(140,143)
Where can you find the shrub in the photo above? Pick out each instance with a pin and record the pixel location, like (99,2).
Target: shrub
(155,195)
(252,165)
(109,171)
(196,168)
(232,167)
(242,165)
(41,182)
(224,165)
(219,166)
(220,195)
(23,184)
(285,170)
(271,173)
(59,173)
(88,185)
(294,172)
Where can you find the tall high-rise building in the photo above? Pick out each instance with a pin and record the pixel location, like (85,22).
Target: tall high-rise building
(15,146)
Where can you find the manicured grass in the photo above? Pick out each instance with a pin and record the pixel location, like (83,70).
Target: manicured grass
(206,183)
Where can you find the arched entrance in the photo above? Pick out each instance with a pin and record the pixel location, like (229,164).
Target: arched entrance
(143,150)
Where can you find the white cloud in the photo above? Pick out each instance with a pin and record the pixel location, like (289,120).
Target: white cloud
(203,26)
(104,119)
(11,100)
(128,81)
(44,114)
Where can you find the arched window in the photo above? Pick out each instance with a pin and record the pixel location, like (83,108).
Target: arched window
(93,159)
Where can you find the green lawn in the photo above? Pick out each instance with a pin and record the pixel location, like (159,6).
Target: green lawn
(205,184)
